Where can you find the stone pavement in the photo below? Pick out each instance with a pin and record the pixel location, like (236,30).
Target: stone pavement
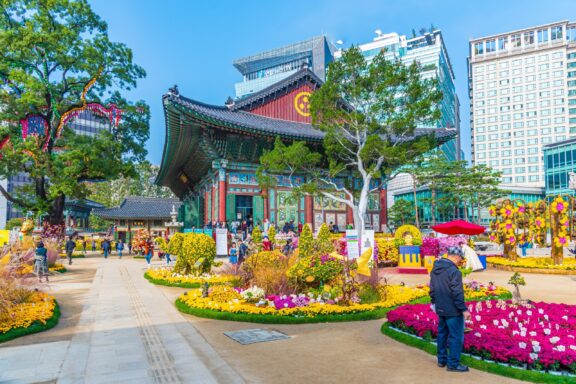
(128,333)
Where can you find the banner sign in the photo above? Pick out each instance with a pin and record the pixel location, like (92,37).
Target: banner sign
(221,241)
(367,240)
(352,244)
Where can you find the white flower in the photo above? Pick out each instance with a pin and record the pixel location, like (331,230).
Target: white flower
(523,333)
(477,334)
(560,348)
(529,312)
(546,317)
(554,339)
(495,323)
(522,345)
(532,333)
(573,347)
(547,331)
(534,342)
(534,356)
(565,317)
(477,317)
(483,327)
(514,333)
(536,348)
(519,311)
(540,311)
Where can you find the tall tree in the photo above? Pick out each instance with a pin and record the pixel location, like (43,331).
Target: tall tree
(368,112)
(111,193)
(56,60)
(400,213)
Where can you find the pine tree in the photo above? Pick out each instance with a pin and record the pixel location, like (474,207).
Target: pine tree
(306,241)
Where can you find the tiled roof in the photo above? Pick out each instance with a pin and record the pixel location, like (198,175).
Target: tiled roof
(261,96)
(134,207)
(250,121)
(267,125)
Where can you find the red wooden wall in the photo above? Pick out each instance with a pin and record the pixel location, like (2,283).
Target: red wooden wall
(284,107)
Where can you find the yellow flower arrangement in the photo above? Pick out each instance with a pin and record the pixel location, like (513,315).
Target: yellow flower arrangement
(39,307)
(562,239)
(534,262)
(29,269)
(223,294)
(387,250)
(559,205)
(168,275)
(474,294)
(492,211)
(507,211)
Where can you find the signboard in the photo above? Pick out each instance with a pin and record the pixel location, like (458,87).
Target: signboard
(572,180)
(221,241)
(367,240)
(352,244)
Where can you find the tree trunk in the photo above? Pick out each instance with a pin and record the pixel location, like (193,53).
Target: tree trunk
(465,210)
(415,202)
(56,212)
(433,206)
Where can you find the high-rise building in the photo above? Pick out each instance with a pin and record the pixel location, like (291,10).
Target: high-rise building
(522,87)
(266,68)
(86,123)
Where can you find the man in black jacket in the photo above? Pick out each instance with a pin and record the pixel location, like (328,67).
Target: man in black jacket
(447,293)
(70,245)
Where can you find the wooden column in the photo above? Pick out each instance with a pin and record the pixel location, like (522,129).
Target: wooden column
(221,194)
(206,217)
(309,209)
(266,205)
(383,208)
(213,207)
(349,216)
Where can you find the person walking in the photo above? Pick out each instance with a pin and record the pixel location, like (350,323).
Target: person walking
(70,245)
(41,262)
(149,251)
(93,245)
(84,244)
(447,294)
(129,247)
(106,247)
(120,248)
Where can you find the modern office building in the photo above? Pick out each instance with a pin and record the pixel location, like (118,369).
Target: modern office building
(522,87)
(86,123)
(267,68)
(559,163)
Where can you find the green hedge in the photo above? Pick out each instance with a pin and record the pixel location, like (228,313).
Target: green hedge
(515,373)
(35,327)
(169,283)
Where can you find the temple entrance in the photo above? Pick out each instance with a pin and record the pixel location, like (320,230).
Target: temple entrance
(244,207)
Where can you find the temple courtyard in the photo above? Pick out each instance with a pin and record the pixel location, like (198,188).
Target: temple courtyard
(116,327)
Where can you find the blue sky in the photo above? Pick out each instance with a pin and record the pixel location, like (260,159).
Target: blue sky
(193,43)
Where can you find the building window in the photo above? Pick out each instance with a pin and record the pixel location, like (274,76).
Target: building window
(490,46)
(556,33)
(516,40)
(542,36)
(571,33)
(502,43)
(506,180)
(520,170)
(534,178)
(479,48)
(529,38)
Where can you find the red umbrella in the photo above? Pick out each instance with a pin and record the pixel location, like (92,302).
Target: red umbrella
(459,227)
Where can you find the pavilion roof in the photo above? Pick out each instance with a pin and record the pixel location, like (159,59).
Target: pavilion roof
(135,207)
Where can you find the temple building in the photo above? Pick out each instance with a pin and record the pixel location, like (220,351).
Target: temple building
(140,213)
(211,154)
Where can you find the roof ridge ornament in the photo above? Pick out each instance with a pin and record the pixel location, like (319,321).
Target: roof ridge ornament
(174,90)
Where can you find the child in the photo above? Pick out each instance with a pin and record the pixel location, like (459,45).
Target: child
(41,262)
(234,256)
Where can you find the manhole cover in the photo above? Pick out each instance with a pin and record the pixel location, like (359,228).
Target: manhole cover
(251,336)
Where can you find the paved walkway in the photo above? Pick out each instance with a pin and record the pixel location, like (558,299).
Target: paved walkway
(128,333)
(118,328)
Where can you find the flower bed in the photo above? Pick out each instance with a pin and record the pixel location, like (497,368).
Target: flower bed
(230,304)
(534,265)
(166,276)
(29,269)
(38,313)
(535,336)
